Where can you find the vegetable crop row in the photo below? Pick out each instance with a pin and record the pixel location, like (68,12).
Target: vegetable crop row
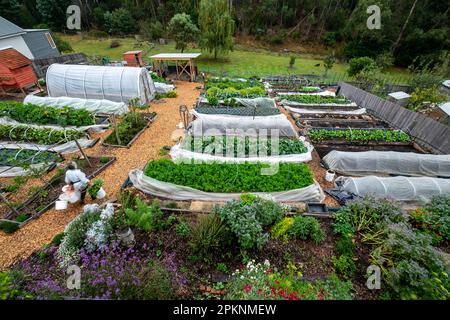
(38,135)
(30,113)
(243,177)
(223,83)
(243,146)
(360,135)
(310,99)
(11,157)
(230,92)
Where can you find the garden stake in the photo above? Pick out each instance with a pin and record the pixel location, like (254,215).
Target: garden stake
(82,152)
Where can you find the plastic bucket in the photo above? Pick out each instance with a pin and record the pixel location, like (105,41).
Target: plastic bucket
(329,175)
(61,205)
(101,193)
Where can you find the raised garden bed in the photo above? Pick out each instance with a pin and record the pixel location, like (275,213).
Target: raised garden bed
(325,147)
(239,111)
(17,157)
(44,199)
(359,135)
(129,129)
(342,123)
(38,135)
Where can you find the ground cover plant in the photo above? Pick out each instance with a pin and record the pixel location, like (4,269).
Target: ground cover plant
(130,125)
(311,99)
(243,177)
(244,146)
(38,135)
(359,135)
(30,113)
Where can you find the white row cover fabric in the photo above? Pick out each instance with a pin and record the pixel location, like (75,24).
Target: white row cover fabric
(119,84)
(388,162)
(396,188)
(179,154)
(260,102)
(322,111)
(95,127)
(224,124)
(92,105)
(163,88)
(325,93)
(312,193)
(64,148)
(9,172)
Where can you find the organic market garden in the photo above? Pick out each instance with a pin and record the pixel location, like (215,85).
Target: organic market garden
(234,203)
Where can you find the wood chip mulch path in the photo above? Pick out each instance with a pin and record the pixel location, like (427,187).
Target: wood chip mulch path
(39,232)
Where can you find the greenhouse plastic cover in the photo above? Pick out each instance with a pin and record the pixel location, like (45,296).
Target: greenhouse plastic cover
(219,125)
(397,188)
(388,162)
(179,154)
(119,84)
(92,105)
(312,193)
(322,111)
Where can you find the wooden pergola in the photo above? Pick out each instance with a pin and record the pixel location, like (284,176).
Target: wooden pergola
(184,62)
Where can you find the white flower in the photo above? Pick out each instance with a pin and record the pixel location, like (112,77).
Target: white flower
(267,263)
(242,277)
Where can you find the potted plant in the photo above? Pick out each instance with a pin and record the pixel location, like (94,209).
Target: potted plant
(96,191)
(122,229)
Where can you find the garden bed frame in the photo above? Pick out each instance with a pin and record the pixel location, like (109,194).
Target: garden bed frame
(33,197)
(128,145)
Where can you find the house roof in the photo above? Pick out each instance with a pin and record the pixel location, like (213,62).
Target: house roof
(9,29)
(13,59)
(446,108)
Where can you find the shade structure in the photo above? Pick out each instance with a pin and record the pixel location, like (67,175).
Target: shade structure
(119,84)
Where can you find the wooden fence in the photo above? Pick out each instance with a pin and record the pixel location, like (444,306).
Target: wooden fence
(427,132)
(41,65)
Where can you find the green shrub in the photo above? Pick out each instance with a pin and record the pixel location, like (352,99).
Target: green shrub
(62,45)
(209,236)
(8,290)
(306,228)
(425,97)
(182,228)
(95,188)
(345,266)
(345,246)
(280,229)
(22,217)
(56,241)
(9,226)
(243,177)
(171,94)
(213,101)
(122,22)
(147,218)
(358,65)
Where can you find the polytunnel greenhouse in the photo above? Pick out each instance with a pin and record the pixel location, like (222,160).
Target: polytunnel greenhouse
(119,84)
(396,188)
(388,162)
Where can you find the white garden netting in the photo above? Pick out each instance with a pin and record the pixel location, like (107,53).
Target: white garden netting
(95,127)
(260,102)
(178,153)
(64,148)
(388,162)
(322,105)
(119,84)
(92,105)
(9,172)
(322,111)
(219,125)
(312,193)
(163,88)
(397,188)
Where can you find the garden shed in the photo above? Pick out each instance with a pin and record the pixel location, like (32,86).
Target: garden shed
(16,71)
(119,84)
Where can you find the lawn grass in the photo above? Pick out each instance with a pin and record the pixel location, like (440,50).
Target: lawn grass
(242,61)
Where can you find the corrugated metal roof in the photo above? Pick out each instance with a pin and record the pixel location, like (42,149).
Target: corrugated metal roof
(176,56)
(13,59)
(8,29)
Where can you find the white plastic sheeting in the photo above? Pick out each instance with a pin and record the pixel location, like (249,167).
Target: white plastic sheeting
(92,105)
(95,127)
(9,172)
(64,148)
(322,111)
(215,125)
(397,188)
(179,154)
(260,102)
(312,193)
(388,162)
(119,84)
(164,88)
(325,93)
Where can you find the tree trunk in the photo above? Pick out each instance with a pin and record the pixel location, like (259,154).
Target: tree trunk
(400,36)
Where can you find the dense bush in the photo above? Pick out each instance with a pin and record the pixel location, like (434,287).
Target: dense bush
(122,22)
(357,65)
(344,265)
(248,219)
(434,219)
(151,30)
(29,113)
(243,177)
(306,228)
(428,97)
(147,218)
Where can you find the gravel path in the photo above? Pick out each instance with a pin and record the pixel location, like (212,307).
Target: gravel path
(41,231)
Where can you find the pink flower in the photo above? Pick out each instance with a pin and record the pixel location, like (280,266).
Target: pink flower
(247,288)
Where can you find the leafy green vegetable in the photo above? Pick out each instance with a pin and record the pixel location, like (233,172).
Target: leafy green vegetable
(243,177)
(310,99)
(359,135)
(38,135)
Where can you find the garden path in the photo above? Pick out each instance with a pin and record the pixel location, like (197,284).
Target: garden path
(41,231)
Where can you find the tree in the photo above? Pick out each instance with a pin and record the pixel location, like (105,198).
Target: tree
(122,22)
(10,9)
(53,12)
(328,63)
(183,30)
(358,65)
(216,26)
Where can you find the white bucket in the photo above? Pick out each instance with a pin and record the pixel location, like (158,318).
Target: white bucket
(101,193)
(329,175)
(61,205)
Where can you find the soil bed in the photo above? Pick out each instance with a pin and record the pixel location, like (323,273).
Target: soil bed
(324,147)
